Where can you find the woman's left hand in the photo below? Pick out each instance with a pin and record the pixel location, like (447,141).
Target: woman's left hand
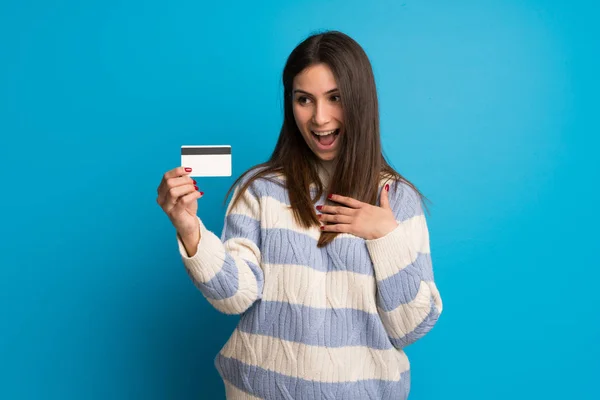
(357,218)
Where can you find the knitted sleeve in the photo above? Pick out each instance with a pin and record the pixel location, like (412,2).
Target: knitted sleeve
(227,269)
(408,301)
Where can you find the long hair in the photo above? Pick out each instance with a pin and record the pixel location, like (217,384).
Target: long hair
(360,163)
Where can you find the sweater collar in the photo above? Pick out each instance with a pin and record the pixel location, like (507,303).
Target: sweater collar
(325,169)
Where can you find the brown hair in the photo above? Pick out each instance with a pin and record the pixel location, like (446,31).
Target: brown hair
(360,163)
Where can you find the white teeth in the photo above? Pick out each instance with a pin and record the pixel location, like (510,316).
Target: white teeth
(324,133)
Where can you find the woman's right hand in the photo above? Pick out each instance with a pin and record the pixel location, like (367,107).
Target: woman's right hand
(178,197)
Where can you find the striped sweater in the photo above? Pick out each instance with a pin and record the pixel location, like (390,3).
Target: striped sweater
(316,323)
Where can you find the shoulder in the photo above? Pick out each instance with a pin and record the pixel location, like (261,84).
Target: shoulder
(259,182)
(404,199)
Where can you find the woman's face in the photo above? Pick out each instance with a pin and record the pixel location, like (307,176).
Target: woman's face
(318,111)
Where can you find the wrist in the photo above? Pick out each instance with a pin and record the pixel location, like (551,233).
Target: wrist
(385,229)
(190,240)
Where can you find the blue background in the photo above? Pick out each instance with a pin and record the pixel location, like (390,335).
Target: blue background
(488,106)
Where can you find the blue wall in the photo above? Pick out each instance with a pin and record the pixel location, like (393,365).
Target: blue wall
(486,106)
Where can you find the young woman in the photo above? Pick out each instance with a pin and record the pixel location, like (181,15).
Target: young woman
(325,248)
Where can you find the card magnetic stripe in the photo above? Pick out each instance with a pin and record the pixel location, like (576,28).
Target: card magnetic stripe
(196,151)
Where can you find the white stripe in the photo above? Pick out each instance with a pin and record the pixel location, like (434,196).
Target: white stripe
(247,204)
(437,299)
(406,317)
(209,257)
(245,295)
(297,284)
(399,248)
(243,249)
(279,215)
(322,364)
(211,252)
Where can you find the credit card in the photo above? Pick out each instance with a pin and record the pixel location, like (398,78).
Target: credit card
(207,160)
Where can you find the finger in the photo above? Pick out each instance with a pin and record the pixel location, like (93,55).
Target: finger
(348,201)
(338,219)
(339,228)
(183,202)
(384,201)
(173,194)
(177,172)
(174,173)
(171,183)
(336,210)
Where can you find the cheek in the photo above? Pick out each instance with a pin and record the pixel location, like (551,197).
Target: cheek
(301,116)
(338,114)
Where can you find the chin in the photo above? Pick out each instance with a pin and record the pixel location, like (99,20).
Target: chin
(326,157)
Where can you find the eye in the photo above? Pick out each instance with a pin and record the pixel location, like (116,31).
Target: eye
(335,98)
(303,100)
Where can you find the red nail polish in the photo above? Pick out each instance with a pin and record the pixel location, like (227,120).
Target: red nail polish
(194,181)
(322,227)
(330,196)
(319,208)
(196,187)
(188,170)
(387,188)
(201,193)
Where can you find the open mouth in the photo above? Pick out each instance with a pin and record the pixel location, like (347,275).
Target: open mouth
(326,139)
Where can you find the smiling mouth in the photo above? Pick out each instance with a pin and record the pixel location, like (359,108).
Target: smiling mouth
(326,138)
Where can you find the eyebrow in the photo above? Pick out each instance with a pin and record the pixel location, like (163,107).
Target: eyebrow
(305,92)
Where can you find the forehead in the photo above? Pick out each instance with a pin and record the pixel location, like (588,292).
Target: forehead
(315,79)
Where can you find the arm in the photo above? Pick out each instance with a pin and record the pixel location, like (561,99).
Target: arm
(190,242)
(407,298)
(227,269)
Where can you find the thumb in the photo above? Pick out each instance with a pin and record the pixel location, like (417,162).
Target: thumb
(384,201)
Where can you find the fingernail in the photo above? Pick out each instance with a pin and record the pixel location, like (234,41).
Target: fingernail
(319,208)
(195,187)
(201,193)
(194,181)
(329,196)
(322,227)
(387,188)
(319,216)
(188,169)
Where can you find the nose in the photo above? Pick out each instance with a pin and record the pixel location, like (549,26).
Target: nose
(321,114)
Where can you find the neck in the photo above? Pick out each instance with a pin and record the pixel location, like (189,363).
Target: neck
(326,169)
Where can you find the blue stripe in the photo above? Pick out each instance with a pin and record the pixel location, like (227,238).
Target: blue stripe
(404,200)
(224,284)
(420,330)
(403,286)
(271,385)
(260,277)
(316,326)
(263,187)
(286,246)
(241,226)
